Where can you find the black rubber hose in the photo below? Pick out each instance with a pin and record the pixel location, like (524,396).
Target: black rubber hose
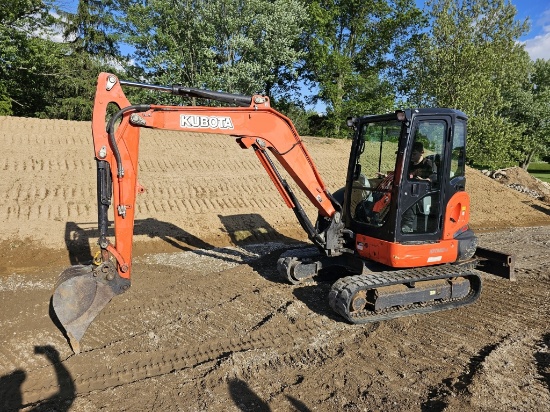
(111,132)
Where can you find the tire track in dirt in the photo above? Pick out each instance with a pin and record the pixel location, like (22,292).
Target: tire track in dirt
(53,165)
(161,304)
(494,362)
(216,178)
(494,314)
(513,321)
(268,344)
(139,366)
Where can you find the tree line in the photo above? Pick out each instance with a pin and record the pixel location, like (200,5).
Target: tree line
(353,57)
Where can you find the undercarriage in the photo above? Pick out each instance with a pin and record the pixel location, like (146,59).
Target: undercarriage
(373,293)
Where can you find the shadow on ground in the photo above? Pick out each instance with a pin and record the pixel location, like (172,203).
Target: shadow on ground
(247,400)
(540,208)
(542,359)
(242,230)
(11,398)
(248,231)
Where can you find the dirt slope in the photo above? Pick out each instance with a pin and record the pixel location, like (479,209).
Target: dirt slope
(208,325)
(198,186)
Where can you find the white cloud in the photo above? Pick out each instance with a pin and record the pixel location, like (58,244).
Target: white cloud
(539,46)
(544,20)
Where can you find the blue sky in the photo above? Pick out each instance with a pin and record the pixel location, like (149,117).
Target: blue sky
(537,41)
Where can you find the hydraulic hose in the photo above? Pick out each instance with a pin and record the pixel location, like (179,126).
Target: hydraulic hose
(111,132)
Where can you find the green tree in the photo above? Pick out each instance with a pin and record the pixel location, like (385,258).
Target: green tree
(530,108)
(236,46)
(350,44)
(471,60)
(300,116)
(5,101)
(25,55)
(72,89)
(91,46)
(40,77)
(91,29)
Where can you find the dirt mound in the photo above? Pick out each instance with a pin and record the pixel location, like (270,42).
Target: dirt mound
(520,180)
(201,189)
(497,205)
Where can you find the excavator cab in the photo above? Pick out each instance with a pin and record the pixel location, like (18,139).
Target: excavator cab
(409,249)
(405,169)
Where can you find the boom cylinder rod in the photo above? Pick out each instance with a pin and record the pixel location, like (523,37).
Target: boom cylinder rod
(167,89)
(237,99)
(104,189)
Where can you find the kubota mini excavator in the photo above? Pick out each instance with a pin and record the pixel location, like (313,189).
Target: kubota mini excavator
(402,237)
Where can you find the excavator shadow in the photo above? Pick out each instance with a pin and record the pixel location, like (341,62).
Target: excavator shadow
(242,230)
(78,236)
(250,232)
(251,228)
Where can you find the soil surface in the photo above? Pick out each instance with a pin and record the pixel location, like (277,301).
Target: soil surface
(208,324)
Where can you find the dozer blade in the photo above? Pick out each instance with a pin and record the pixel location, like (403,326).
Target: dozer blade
(81,293)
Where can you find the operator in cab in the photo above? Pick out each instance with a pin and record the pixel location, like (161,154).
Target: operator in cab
(419,167)
(422,169)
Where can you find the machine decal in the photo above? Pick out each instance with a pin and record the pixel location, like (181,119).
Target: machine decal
(205,122)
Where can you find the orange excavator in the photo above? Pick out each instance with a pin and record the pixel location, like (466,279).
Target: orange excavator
(402,238)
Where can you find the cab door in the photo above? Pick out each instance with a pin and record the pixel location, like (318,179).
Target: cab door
(424,180)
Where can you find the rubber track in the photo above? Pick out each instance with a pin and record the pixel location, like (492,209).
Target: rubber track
(343,291)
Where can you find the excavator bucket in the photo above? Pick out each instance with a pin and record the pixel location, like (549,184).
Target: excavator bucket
(81,293)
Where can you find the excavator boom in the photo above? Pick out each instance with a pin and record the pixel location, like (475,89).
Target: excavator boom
(83,291)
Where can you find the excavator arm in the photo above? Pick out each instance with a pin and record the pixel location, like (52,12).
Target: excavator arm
(83,291)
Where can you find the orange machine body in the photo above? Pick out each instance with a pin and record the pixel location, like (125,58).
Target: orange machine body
(399,255)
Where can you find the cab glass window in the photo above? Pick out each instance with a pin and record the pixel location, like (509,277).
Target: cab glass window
(458,152)
(373,178)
